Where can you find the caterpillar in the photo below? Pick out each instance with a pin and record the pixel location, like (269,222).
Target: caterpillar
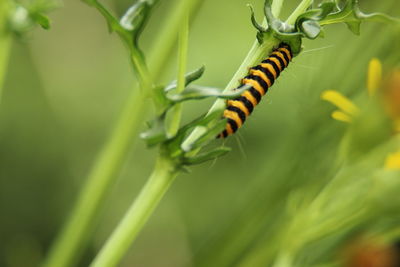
(260,78)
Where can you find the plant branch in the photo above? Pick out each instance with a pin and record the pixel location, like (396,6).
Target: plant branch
(77,230)
(164,173)
(158,183)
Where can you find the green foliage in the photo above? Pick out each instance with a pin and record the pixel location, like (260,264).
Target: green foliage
(351,14)
(309,23)
(26,15)
(157,134)
(165,99)
(131,23)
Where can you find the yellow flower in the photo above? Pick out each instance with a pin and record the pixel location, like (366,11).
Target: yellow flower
(393,161)
(374,78)
(347,110)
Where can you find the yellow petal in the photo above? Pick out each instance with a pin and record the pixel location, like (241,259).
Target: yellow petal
(393,161)
(341,116)
(374,76)
(339,100)
(396,126)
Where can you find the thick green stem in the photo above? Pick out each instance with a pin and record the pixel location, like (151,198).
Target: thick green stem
(141,209)
(5,41)
(163,175)
(77,230)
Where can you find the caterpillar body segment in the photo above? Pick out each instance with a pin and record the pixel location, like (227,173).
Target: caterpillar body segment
(260,78)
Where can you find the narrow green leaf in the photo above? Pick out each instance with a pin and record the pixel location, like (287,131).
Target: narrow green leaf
(311,29)
(42,20)
(202,121)
(352,15)
(162,103)
(189,77)
(354,27)
(156,134)
(254,21)
(136,17)
(112,22)
(209,135)
(201,92)
(206,156)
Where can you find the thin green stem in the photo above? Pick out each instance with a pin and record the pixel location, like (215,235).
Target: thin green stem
(176,111)
(182,53)
(283,260)
(5,49)
(165,40)
(299,10)
(277,7)
(141,69)
(143,206)
(76,232)
(5,42)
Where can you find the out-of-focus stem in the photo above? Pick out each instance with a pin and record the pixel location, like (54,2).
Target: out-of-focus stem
(5,42)
(76,232)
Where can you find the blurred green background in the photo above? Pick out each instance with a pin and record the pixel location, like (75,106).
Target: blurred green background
(65,88)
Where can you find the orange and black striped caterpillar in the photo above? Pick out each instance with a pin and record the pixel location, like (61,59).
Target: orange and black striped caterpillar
(260,78)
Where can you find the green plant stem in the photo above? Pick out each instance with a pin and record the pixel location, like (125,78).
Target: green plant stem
(277,7)
(156,186)
(76,232)
(176,111)
(79,226)
(165,40)
(139,212)
(145,79)
(5,49)
(5,42)
(299,10)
